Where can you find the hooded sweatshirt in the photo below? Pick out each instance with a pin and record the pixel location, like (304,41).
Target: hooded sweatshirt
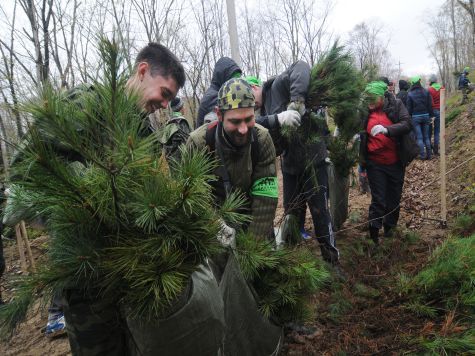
(223,71)
(403,88)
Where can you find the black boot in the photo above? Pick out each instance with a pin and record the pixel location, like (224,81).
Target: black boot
(435,149)
(374,234)
(388,231)
(329,253)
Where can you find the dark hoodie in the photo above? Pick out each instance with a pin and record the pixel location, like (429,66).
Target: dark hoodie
(223,71)
(403,88)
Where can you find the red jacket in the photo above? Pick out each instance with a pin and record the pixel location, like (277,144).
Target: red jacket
(381,149)
(435,94)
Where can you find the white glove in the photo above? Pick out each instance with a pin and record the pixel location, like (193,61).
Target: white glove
(227,235)
(378,129)
(289,118)
(297,106)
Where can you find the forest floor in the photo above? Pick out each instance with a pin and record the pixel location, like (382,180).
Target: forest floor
(363,313)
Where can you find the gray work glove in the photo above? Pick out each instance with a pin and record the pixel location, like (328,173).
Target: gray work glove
(227,235)
(289,118)
(298,106)
(379,129)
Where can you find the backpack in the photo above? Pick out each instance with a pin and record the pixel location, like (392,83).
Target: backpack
(461,81)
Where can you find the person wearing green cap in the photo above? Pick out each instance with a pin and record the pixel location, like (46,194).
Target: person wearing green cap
(419,106)
(246,163)
(464,85)
(384,155)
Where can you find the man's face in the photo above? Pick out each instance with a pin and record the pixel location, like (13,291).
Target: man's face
(257,91)
(237,124)
(155,92)
(391,87)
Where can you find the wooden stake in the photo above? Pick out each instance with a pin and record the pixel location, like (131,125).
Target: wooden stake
(21,250)
(27,244)
(443,167)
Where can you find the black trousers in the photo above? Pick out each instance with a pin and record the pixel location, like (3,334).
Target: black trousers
(310,188)
(386,183)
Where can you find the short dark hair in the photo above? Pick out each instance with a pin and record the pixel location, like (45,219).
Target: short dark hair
(162,62)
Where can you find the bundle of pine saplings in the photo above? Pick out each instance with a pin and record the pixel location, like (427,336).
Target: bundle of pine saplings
(284,279)
(336,86)
(119,224)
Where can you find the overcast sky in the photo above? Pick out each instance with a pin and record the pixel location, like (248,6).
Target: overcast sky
(404,19)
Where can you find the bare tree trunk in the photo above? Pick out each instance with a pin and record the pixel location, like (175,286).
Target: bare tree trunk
(454,34)
(470,8)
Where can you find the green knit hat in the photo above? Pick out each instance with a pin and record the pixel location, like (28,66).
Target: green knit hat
(235,94)
(252,80)
(377,88)
(415,79)
(466,69)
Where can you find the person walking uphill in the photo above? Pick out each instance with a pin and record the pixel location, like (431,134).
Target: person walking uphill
(434,91)
(419,106)
(225,69)
(282,99)
(464,85)
(402,94)
(384,155)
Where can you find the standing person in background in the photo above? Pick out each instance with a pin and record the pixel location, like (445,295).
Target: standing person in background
(434,91)
(225,69)
(403,88)
(465,85)
(383,156)
(419,106)
(392,87)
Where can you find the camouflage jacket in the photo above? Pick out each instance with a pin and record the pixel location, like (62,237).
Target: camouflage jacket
(257,181)
(172,135)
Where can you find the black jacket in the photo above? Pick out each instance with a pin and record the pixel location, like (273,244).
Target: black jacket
(419,101)
(223,71)
(403,88)
(400,129)
(277,93)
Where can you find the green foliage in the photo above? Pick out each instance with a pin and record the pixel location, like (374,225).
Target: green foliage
(336,84)
(422,310)
(450,345)
(465,224)
(449,276)
(118,221)
(453,114)
(283,279)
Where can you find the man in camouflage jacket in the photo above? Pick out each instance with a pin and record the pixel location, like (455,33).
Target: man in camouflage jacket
(244,164)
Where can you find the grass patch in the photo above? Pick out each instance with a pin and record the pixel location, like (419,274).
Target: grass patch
(421,309)
(355,216)
(453,114)
(464,224)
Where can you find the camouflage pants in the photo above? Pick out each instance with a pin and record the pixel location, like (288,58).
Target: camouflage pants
(94,325)
(465,91)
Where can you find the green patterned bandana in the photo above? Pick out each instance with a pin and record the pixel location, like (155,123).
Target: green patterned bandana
(235,94)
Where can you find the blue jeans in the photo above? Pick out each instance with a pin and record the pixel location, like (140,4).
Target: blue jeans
(436,127)
(421,130)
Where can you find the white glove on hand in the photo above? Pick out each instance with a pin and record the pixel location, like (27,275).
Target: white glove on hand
(378,129)
(289,118)
(227,235)
(297,106)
